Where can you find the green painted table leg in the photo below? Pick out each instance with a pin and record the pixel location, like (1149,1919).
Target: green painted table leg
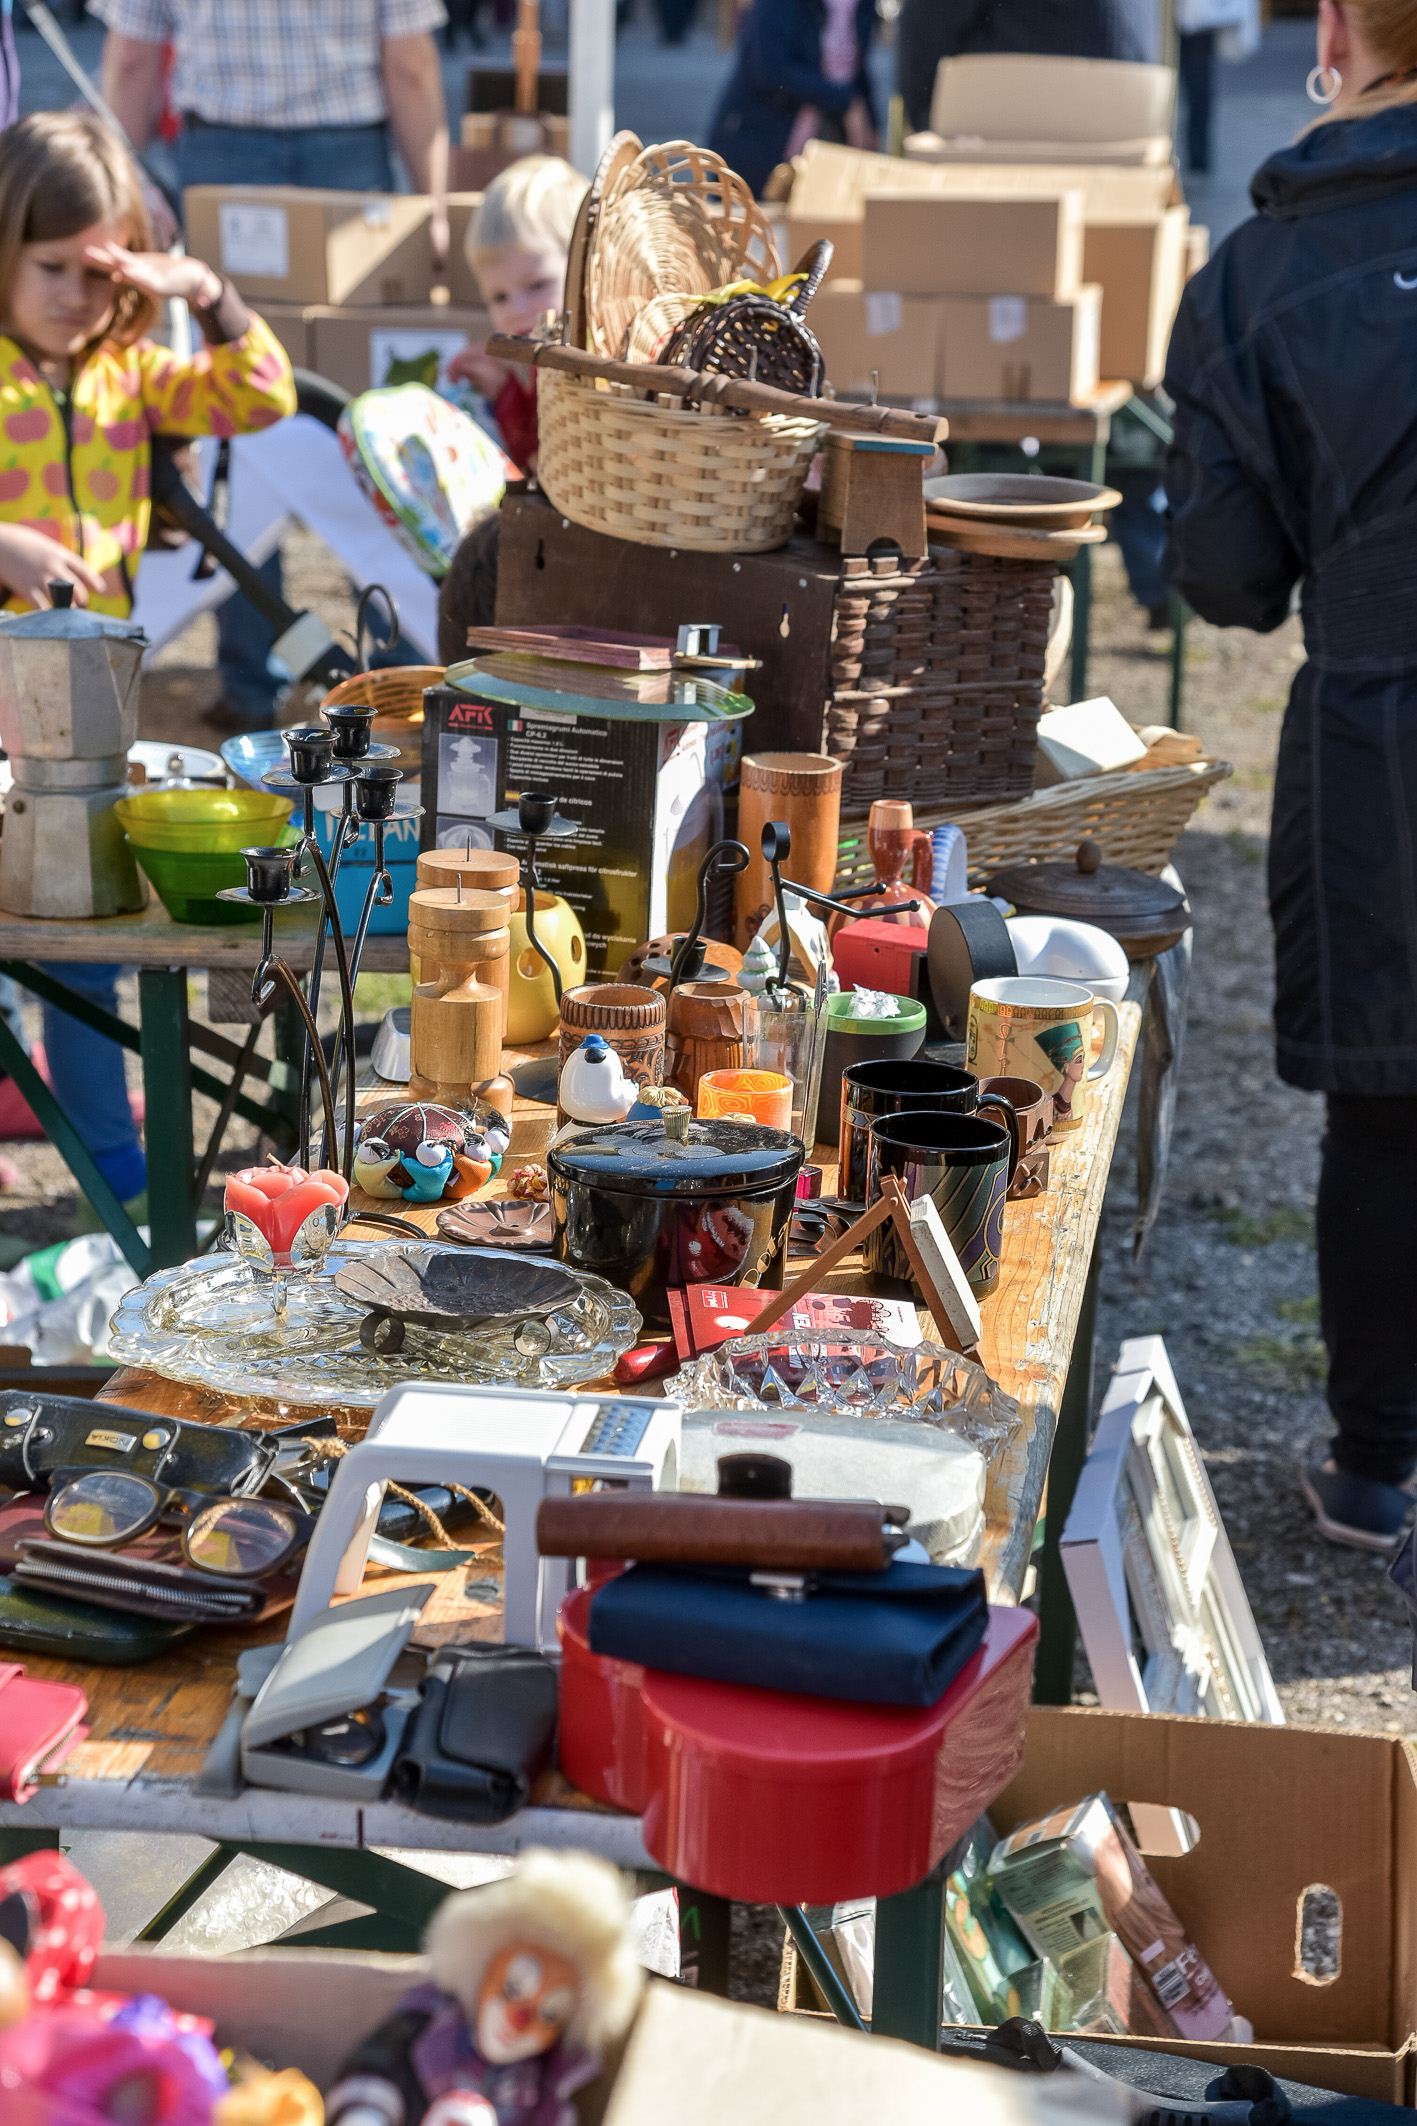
(1092,465)
(167,1083)
(910,1965)
(1057,1635)
(705,1927)
(14,1059)
(189,1893)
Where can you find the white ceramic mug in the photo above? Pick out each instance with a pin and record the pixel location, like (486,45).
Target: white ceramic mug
(1029,1026)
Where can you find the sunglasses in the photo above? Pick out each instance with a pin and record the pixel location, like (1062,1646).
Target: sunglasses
(231,1538)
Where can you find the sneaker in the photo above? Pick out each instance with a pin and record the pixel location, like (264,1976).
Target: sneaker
(1356,1510)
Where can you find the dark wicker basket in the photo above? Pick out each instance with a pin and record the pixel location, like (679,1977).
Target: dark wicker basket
(751,336)
(937,677)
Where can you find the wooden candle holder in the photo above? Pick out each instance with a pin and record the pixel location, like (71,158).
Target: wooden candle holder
(710,1026)
(459,947)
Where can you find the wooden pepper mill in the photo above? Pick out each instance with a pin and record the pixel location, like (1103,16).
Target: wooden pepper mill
(481,870)
(459,948)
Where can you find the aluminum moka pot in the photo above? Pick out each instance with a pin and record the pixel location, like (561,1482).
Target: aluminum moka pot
(68,715)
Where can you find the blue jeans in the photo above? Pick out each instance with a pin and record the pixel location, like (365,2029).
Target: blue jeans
(358,159)
(86,1072)
(1139,527)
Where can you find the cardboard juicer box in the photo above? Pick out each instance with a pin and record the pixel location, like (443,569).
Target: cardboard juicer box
(286,245)
(645,791)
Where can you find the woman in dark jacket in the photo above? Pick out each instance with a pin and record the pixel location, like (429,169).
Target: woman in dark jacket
(1295,462)
(783,69)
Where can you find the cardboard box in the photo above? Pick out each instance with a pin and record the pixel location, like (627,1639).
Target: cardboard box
(829,192)
(281,244)
(897,337)
(1348,1823)
(928,243)
(365,348)
(1103,109)
(1141,269)
(687,2056)
(645,792)
(290,322)
(463,285)
(1022,347)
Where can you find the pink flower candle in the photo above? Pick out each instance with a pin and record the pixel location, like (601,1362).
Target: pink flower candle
(278,1200)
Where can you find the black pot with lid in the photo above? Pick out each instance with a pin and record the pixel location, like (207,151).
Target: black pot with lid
(654,1208)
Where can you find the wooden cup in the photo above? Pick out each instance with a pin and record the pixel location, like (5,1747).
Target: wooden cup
(804,789)
(711,1026)
(628,1019)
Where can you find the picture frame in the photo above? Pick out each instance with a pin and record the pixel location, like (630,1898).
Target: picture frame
(1160,1603)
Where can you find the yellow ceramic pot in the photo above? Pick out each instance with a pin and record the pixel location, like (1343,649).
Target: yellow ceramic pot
(531,1002)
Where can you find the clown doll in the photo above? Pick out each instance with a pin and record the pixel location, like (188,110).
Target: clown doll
(531,1978)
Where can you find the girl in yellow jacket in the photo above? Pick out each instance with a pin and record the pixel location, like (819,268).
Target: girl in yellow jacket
(82,394)
(82,389)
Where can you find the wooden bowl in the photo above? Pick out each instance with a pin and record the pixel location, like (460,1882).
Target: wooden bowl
(1019,499)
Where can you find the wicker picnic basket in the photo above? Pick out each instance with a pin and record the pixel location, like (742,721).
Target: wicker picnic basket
(667,475)
(937,670)
(1137,817)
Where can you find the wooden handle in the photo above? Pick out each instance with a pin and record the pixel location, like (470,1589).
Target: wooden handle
(697,389)
(676,1528)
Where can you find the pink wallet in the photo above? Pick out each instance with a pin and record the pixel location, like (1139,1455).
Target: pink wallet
(39,1725)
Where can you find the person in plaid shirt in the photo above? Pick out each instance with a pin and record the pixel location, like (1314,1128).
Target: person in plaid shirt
(283,92)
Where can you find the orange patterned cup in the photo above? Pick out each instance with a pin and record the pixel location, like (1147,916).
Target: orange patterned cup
(764,1096)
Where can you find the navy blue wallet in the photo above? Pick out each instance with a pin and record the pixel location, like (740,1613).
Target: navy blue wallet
(898,1637)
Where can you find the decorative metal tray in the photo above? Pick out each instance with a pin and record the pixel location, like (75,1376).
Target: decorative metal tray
(217,1324)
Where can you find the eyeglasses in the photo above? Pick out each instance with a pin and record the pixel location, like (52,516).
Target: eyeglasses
(232,1538)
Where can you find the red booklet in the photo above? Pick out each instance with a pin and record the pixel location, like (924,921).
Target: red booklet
(707,1314)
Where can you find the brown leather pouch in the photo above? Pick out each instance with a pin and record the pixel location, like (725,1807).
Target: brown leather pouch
(683,1528)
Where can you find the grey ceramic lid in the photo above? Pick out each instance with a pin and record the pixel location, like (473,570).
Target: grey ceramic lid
(715,1158)
(70,624)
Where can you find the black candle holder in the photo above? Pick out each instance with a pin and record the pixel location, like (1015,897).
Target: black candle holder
(536,819)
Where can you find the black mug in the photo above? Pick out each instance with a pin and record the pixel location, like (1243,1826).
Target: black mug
(964,1164)
(872,1091)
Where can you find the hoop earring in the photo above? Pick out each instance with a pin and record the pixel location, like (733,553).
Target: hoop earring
(1323,85)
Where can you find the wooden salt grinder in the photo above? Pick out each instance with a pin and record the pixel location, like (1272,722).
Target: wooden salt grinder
(460,944)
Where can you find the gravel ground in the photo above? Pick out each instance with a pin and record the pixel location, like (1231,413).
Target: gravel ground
(1228,1278)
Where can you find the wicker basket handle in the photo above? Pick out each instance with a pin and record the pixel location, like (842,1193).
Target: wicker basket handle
(715,390)
(815,264)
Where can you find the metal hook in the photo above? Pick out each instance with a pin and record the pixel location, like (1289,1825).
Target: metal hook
(729,857)
(372,594)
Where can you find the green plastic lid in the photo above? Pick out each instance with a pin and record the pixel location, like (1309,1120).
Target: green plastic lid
(907,1017)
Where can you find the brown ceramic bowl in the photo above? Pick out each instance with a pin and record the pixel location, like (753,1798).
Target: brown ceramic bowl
(1020,499)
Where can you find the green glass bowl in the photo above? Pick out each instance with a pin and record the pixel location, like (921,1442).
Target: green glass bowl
(187,881)
(201,822)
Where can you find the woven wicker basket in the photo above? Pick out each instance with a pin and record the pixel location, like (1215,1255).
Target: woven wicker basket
(665,475)
(674,223)
(395,694)
(937,670)
(1138,817)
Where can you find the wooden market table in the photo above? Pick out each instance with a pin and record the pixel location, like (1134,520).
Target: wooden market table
(169,1041)
(1074,438)
(151,1725)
